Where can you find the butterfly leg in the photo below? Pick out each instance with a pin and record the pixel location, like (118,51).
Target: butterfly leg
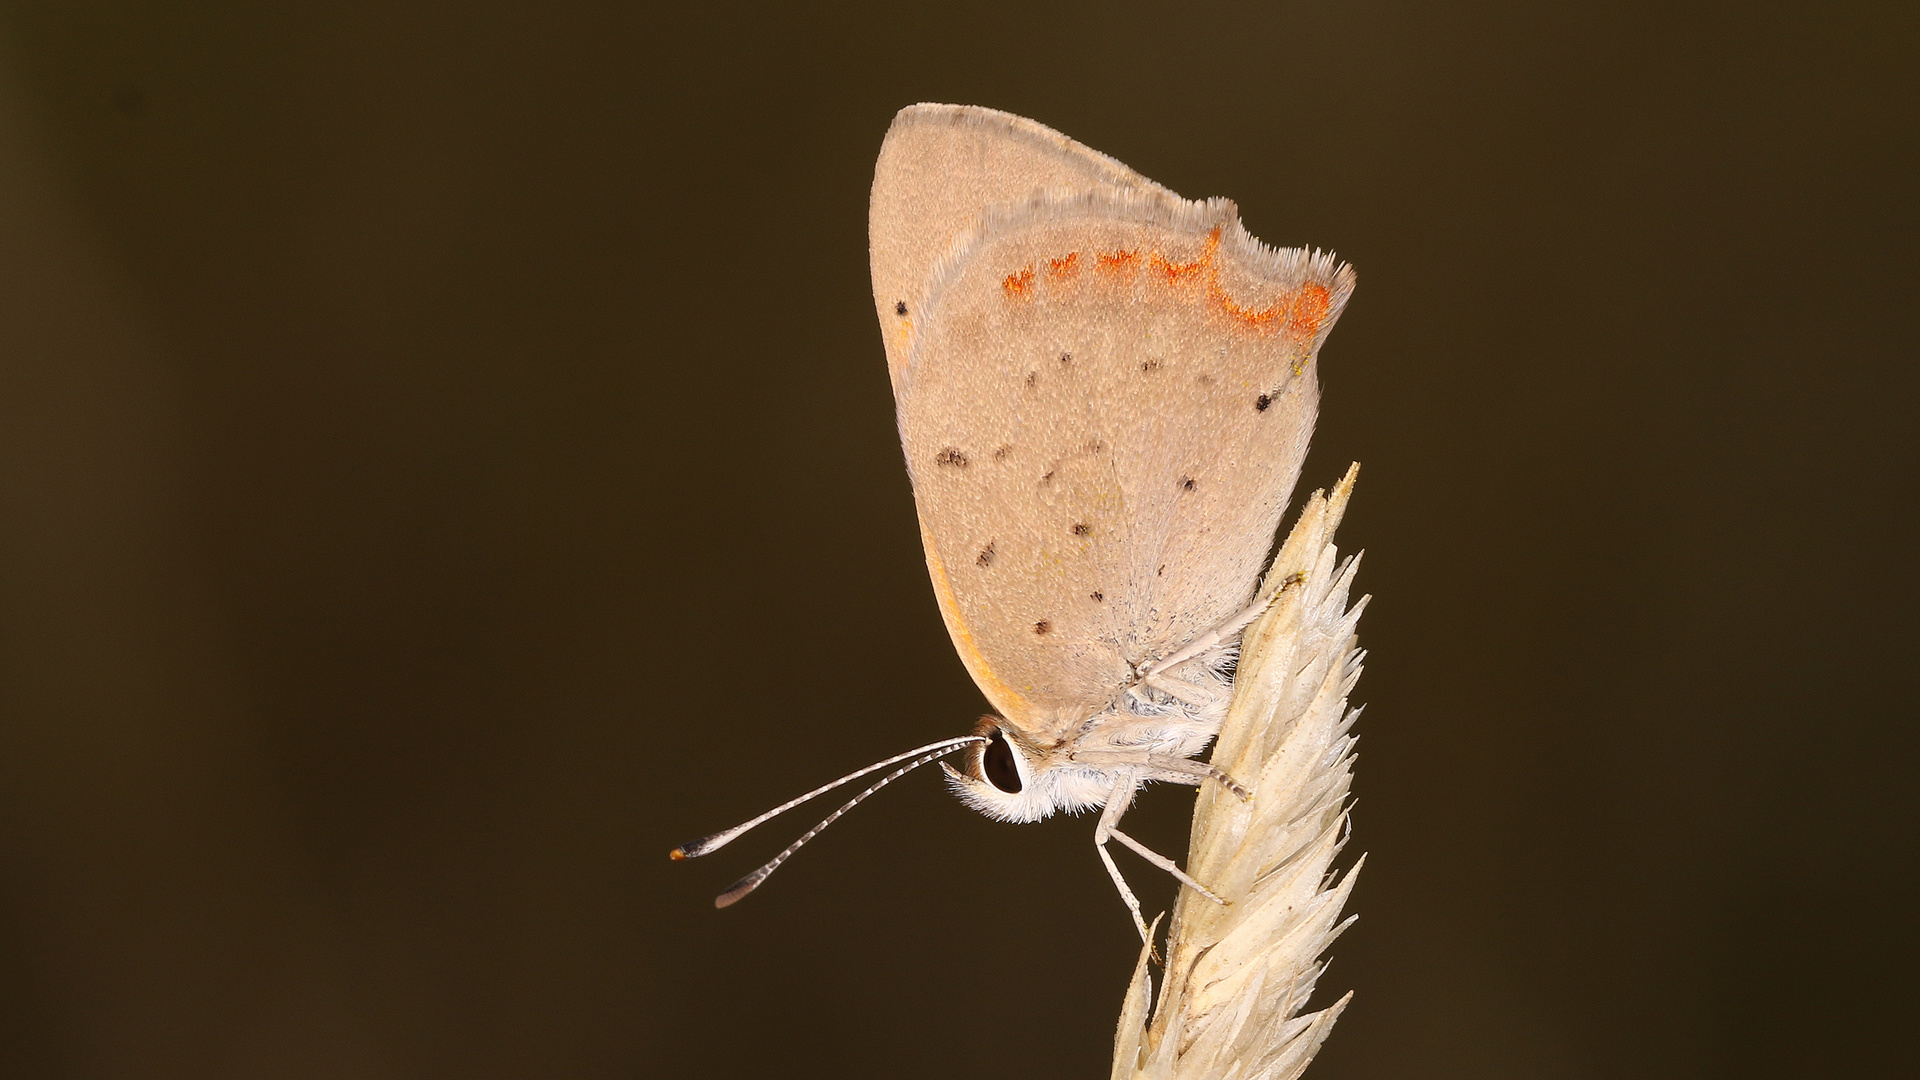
(1169,767)
(1155,675)
(1166,864)
(1117,801)
(1191,693)
(1221,633)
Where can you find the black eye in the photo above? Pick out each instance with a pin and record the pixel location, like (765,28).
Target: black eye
(997,763)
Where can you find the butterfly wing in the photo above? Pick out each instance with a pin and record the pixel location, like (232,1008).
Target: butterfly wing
(1104,409)
(939,168)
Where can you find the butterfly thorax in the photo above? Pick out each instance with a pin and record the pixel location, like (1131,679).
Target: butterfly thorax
(1067,760)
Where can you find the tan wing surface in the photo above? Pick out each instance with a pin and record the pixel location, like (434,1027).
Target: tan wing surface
(939,168)
(1104,411)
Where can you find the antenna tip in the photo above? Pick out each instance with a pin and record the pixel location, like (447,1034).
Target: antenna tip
(693,849)
(740,889)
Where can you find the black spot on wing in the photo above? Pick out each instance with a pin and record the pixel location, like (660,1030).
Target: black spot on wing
(1187,483)
(1082,530)
(1042,627)
(899,307)
(951,455)
(1099,597)
(985,558)
(1260,403)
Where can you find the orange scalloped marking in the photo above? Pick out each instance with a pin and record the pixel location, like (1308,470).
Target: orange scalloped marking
(1019,283)
(1258,319)
(1255,318)
(1177,272)
(1303,311)
(1309,311)
(1063,268)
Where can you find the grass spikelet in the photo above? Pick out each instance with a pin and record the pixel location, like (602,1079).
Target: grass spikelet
(1237,977)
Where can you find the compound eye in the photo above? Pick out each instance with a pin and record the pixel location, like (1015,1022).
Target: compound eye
(997,762)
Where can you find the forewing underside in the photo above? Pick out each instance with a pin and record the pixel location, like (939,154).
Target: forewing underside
(940,166)
(1104,414)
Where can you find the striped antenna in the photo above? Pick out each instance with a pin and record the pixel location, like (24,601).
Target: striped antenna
(706,844)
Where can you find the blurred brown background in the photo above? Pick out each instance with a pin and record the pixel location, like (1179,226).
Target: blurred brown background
(447,460)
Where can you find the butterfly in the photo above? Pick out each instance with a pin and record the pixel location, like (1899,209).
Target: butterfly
(1105,394)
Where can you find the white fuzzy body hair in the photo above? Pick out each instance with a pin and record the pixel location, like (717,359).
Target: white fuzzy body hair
(1137,723)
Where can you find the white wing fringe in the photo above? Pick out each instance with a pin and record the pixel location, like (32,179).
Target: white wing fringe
(1238,976)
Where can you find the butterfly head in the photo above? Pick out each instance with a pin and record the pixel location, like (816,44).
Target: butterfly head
(1008,778)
